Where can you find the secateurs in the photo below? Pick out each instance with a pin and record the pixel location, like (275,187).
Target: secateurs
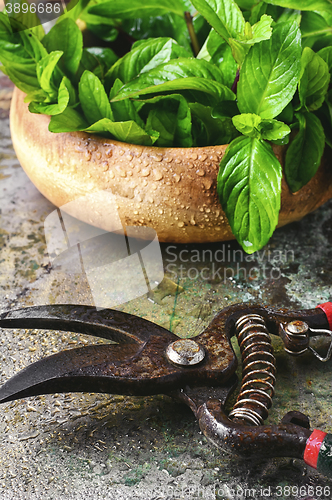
(148,359)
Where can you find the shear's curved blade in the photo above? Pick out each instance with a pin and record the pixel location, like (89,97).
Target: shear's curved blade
(114,369)
(107,323)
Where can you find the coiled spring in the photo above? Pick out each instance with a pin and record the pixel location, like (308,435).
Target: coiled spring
(258,371)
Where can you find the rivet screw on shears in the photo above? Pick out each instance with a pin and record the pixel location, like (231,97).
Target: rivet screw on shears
(148,359)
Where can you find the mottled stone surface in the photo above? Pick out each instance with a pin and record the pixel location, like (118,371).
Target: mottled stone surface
(93,446)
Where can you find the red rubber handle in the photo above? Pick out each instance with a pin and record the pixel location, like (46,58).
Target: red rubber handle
(318,452)
(327,308)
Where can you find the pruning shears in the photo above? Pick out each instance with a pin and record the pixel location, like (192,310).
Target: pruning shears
(146,359)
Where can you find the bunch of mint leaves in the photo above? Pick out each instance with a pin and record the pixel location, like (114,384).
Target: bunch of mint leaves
(249,74)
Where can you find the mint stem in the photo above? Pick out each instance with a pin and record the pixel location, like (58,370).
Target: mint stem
(234,86)
(193,37)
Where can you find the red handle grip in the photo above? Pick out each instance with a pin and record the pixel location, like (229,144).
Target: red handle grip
(318,452)
(327,308)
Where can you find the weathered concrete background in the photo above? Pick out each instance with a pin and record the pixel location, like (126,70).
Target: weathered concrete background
(92,446)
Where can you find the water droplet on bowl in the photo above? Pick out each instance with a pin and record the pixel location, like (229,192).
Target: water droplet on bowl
(120,171)
(157,157)
(207,183)
(157,174)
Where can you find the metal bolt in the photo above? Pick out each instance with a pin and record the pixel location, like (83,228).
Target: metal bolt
(185,352)
(297,328)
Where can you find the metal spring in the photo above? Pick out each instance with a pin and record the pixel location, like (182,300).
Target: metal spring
(258,370)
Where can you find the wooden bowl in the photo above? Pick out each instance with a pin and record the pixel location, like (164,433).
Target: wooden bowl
(172,190)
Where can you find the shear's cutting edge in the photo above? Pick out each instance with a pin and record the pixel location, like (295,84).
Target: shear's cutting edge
(147,359)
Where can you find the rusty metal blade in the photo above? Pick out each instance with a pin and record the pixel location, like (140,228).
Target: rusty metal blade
(114,369)
(107,323)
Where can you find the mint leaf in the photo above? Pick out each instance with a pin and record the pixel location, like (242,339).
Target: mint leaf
(36,95)
(273,130)
(290,15)
(166,25)
(144,57)
(124,110)
(326,54)
(316,30)
(5,25)
(21,79)
(98,60)
(21,47)
(53,109)
(18,12)
(314,80)
(171,117)
(216,90)
(208,129)
(262,29)
(224,16)
(128,131)
(247,124)
(104,55)
(48,73)
(253,126)
(219,52)
(227,20)
(304,152)
(93,98)
(259,31)
(270,72)
(303,4)
(179,74)
(249,187)
(239,50)
(67,37)
(19,54)
(74,8)
(257,11)
(68,121)
(122,9)
(225,109)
